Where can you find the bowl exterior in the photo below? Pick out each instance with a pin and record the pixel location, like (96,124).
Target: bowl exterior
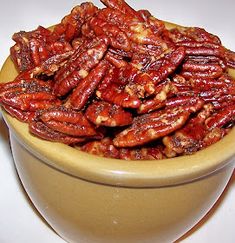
(84,211)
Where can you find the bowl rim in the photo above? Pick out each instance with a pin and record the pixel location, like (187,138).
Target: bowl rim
(135,173)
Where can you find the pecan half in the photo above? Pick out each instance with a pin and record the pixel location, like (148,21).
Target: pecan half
(151,126)
(105,114)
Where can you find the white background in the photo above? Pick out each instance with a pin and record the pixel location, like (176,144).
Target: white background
(19,222)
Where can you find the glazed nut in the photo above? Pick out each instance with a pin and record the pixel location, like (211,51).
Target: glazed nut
(119,84)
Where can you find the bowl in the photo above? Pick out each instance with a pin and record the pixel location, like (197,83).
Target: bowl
(86,198)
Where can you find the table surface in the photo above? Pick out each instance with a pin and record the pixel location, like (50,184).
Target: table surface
(19,221)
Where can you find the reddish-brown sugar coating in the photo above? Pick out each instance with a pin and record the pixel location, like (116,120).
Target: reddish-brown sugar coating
(116,82)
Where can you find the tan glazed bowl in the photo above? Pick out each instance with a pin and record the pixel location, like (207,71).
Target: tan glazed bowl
(87,199)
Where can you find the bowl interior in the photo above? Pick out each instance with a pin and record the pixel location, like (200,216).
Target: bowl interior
(118,172)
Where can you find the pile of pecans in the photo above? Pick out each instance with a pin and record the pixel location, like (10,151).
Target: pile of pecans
(117,83)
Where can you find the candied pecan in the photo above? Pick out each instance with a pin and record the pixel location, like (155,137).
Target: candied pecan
(85,89)
(221,118)
(142,86)
(67,121)
(192,104)
(195,70)
(24,116)
(70,25)
(207,83)
(141,51)
(118,38)
(181,34)
(207,60)
(146,153)
(104,148)
(124,54)
(106,114)
(218,91)
(28,95)
(151,126)
(213,136)
(137,31)
(71,64)
(34,47)
(123,7)
(204,51)
(196,67)
(189,138)
(48,67)
(144,13)
(117,95)
(115,60)
(41,130)
(52,64)
(80,67)
(112,88)
(169,65)
(230,58)
(162,92)
(21,52)
(145,82)
(30,101)
(164,99)
(156,25)
(198,42)
(26,84)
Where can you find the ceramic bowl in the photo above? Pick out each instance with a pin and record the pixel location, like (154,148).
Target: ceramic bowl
(86,198)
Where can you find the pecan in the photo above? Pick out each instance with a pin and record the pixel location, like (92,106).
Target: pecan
(163,91)
(41,130)
(47,67)
(156,25)
(208,68)
(213,136)
(137,30)
(123,7)
(80,67)
(106,114)
(71,64)
(151,52)
(230,58)
(117,95)
(196,70)
(206,49)
(200,132)
(112,88)
(28,95)
(189,138)
(145,83)
(207,60)
(221,118)
(118,38)
(24,116)
(70,25)
(207,83)
(151,126)
(115,60)
(85,89)
(148,153)
(181,34)
(104,148)
(67,121)
(34,47)
(169,65)
(142,87)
